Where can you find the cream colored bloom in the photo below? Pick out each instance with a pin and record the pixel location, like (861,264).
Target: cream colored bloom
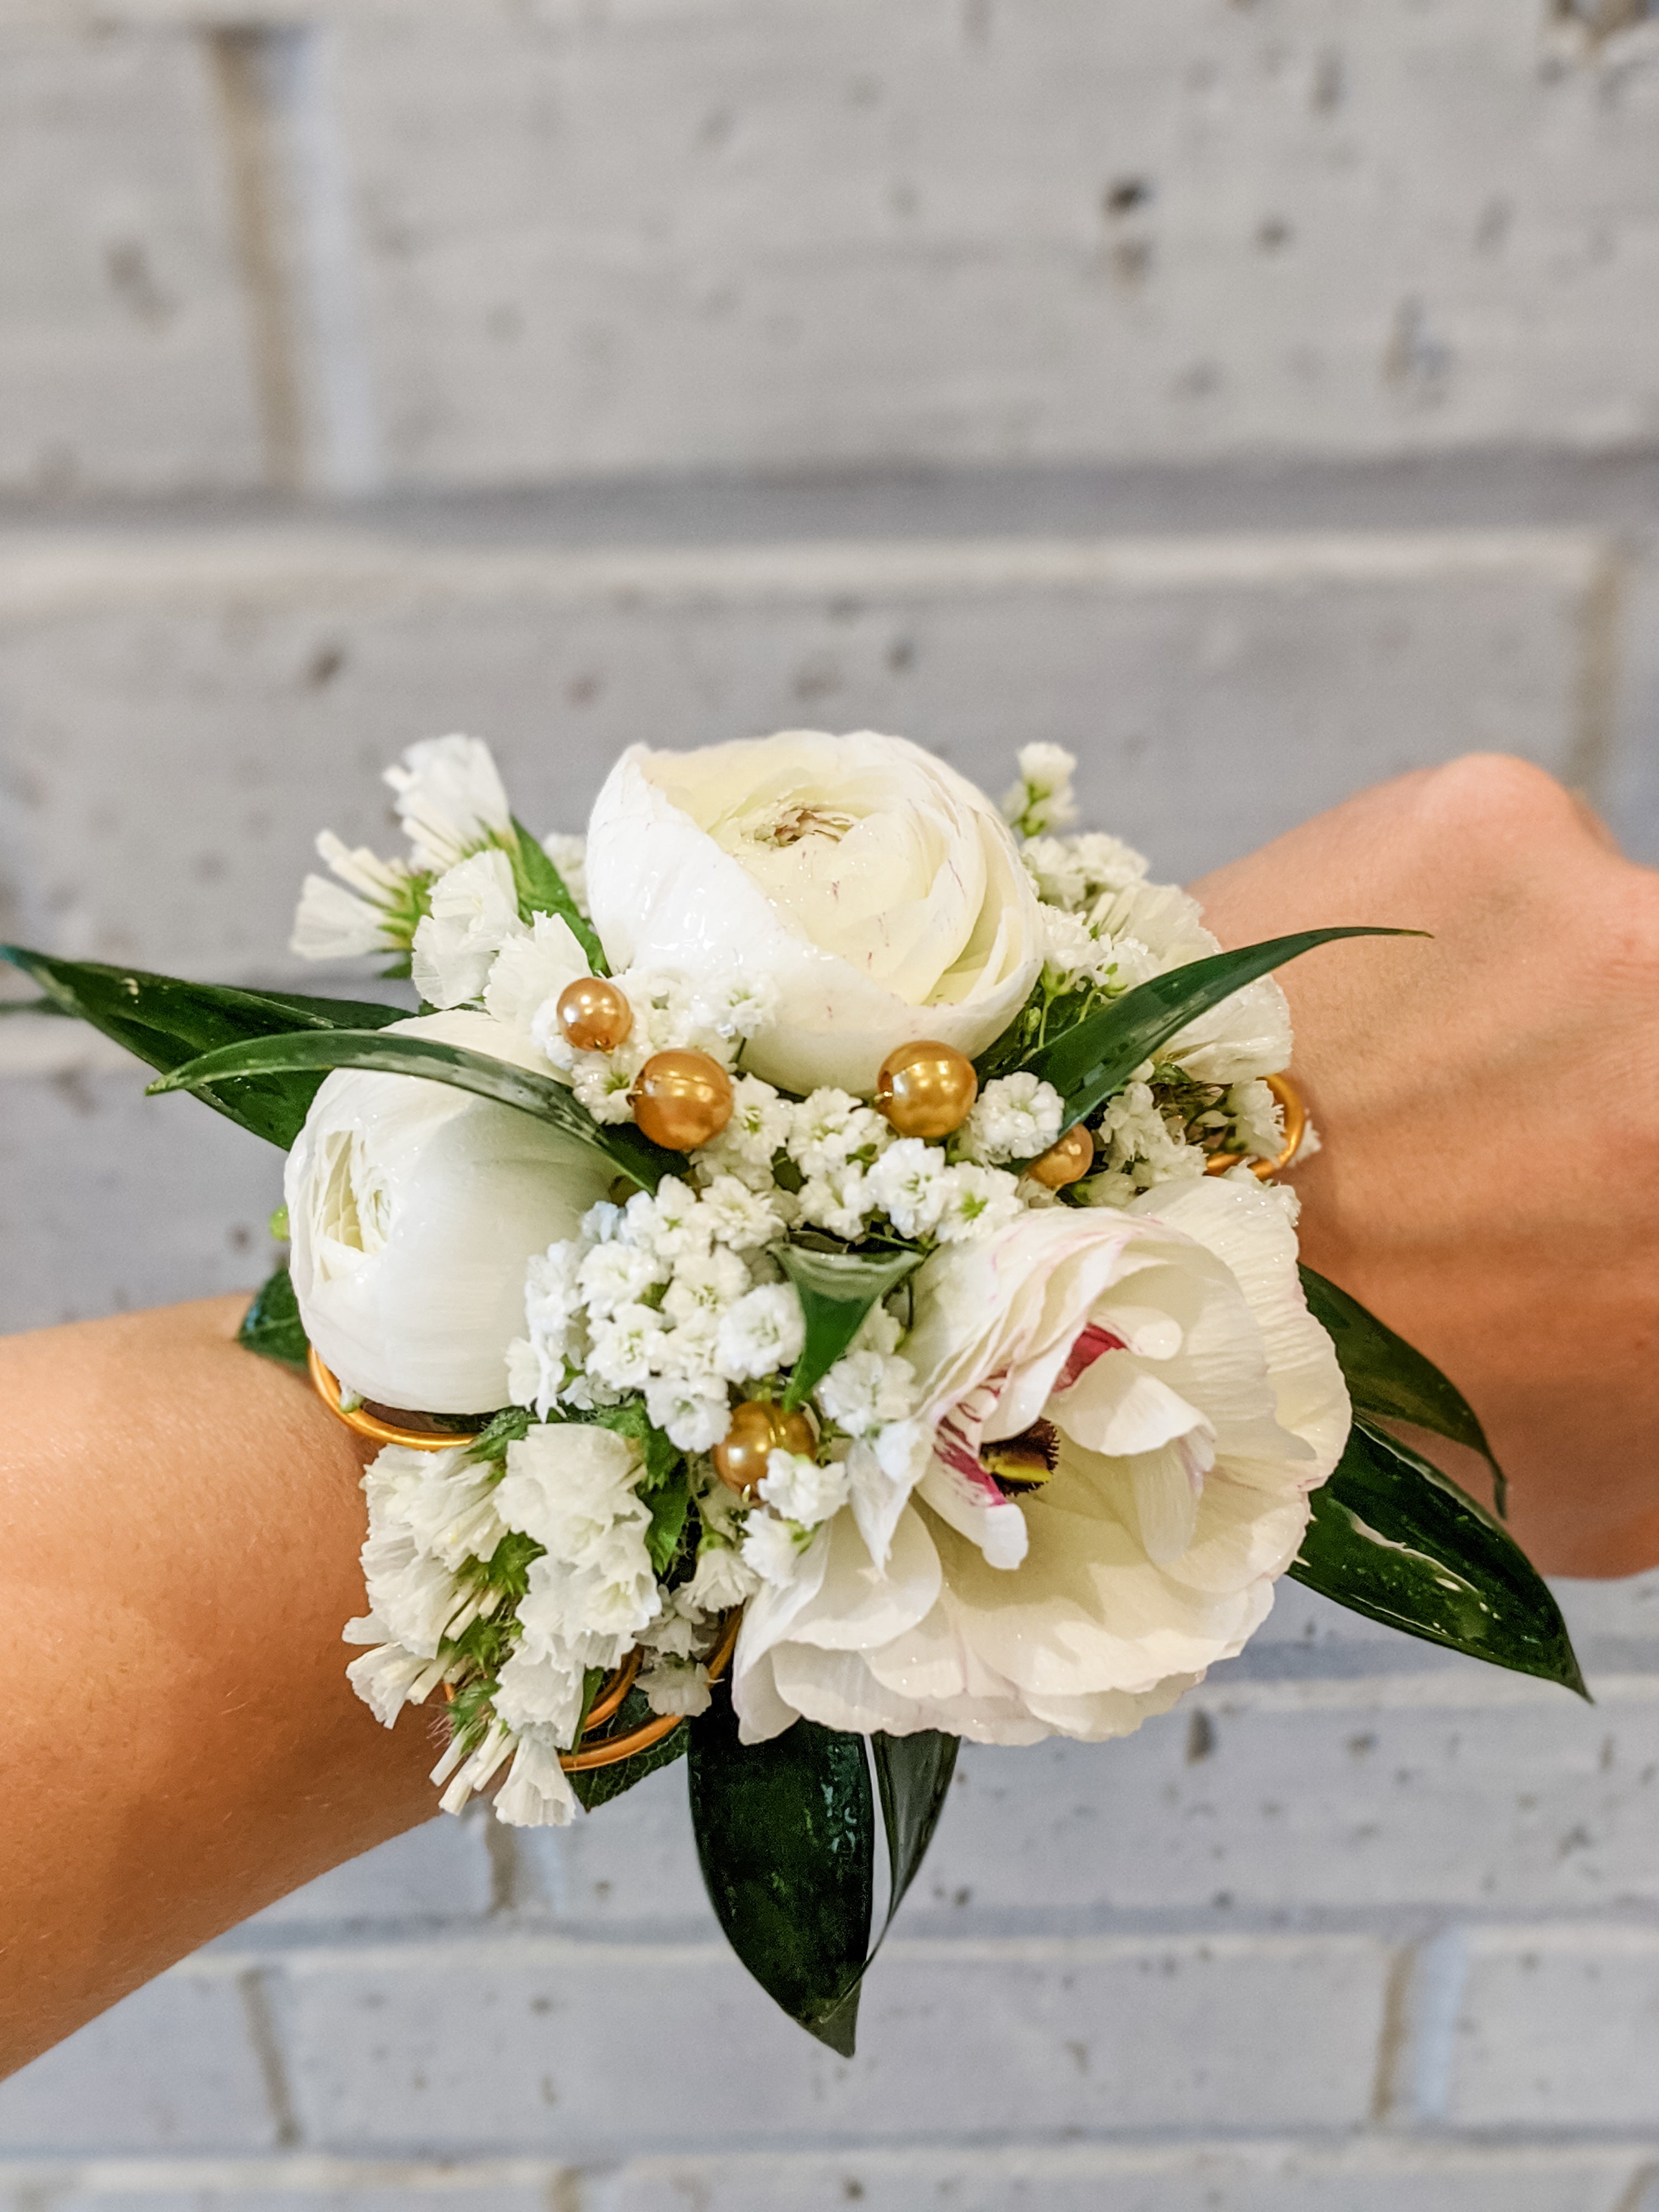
(413,1209)
(874,886)
(1193,1403)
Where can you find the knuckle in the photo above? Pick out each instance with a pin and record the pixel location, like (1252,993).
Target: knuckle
(1500,799)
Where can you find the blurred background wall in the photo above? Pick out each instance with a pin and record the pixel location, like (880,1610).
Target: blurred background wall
(1258,398)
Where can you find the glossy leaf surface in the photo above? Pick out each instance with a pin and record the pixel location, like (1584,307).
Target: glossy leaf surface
(543,889)
(642,1164)
(598,1785)
(785,1837)
(837,1289)
(913,1773)
(1391,1379)
(1092,1061)
(272,1326)
(166,1021)
(1394,1539)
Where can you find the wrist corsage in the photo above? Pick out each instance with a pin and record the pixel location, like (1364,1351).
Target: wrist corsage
(814,1270)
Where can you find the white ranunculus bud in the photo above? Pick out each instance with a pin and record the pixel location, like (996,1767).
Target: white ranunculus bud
(413,1208)
(878,891)
(1188,1404)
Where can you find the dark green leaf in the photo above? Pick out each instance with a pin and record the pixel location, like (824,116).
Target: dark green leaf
(1389,1378)
(913,1775)
(1092,1061)
(272,1326)
(670,1501)
(837,1289)
(1394,1539)
(785,1836)
(543,889)
(166,1022)
(553,1103)
(630,1420)
(598,1785)
(510,1426)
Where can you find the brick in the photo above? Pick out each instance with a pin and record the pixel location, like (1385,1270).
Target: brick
(174,2066)
(517,2047)
(296,2182)
(742,236)
(110,1200)
(123,341)
(632,1865)
(1369,2177)
(1558,2027)
(1417,1791)
(1217,689)
(437,1872)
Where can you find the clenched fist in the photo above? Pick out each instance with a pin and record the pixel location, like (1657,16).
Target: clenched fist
(1489,1103)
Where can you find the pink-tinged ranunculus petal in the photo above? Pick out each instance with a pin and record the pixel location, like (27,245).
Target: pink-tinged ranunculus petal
(1197,1404)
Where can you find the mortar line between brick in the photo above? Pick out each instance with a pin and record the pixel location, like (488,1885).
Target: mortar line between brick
(254,1988)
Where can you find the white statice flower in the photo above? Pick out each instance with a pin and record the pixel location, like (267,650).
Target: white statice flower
(1257,1118)
(604,1084)
(598,1609)
(537,1793)
(801,1490)
(532,969)
(1136,1150)
(908,1183)
(544,1693)
(761,1121)
(444,1499)
(839,1200)
(570,1484)
(568,853)
(371,907)
(705,1283)
(450,800)
(774,1549)
(1041,798)
(670,1221)
(1159,925)
(865,1390)
(692,1412)
(472,1771)
(1075,952)
(615,1274)
(733,1214)
(1072,872)
(723,1577)
(675,1685)
(764,1331)
(475,910)
(831,1129)
(977,1201)
(624,1347)
(389,1677)
(1015,1117)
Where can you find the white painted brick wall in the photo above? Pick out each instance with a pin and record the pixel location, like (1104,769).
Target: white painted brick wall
(1358,1929)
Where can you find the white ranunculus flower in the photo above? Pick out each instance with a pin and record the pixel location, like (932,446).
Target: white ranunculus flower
(874,886)
(413,1208)
(1194,1404)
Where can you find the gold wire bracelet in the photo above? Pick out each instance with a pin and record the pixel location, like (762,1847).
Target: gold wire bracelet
(378,1431)
(1296,1127)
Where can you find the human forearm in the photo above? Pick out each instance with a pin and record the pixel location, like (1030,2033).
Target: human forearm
(182,1523)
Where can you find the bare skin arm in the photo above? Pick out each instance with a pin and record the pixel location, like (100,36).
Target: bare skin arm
(1490,1107)
(182,1520)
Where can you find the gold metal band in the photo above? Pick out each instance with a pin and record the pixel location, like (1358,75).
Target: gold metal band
(1296,1127)
(377,1430)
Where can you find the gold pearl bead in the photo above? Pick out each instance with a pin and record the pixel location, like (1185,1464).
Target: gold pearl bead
(593,1015)
(758,1429)
(1066,1161)
(682,1100)
(926,1089)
